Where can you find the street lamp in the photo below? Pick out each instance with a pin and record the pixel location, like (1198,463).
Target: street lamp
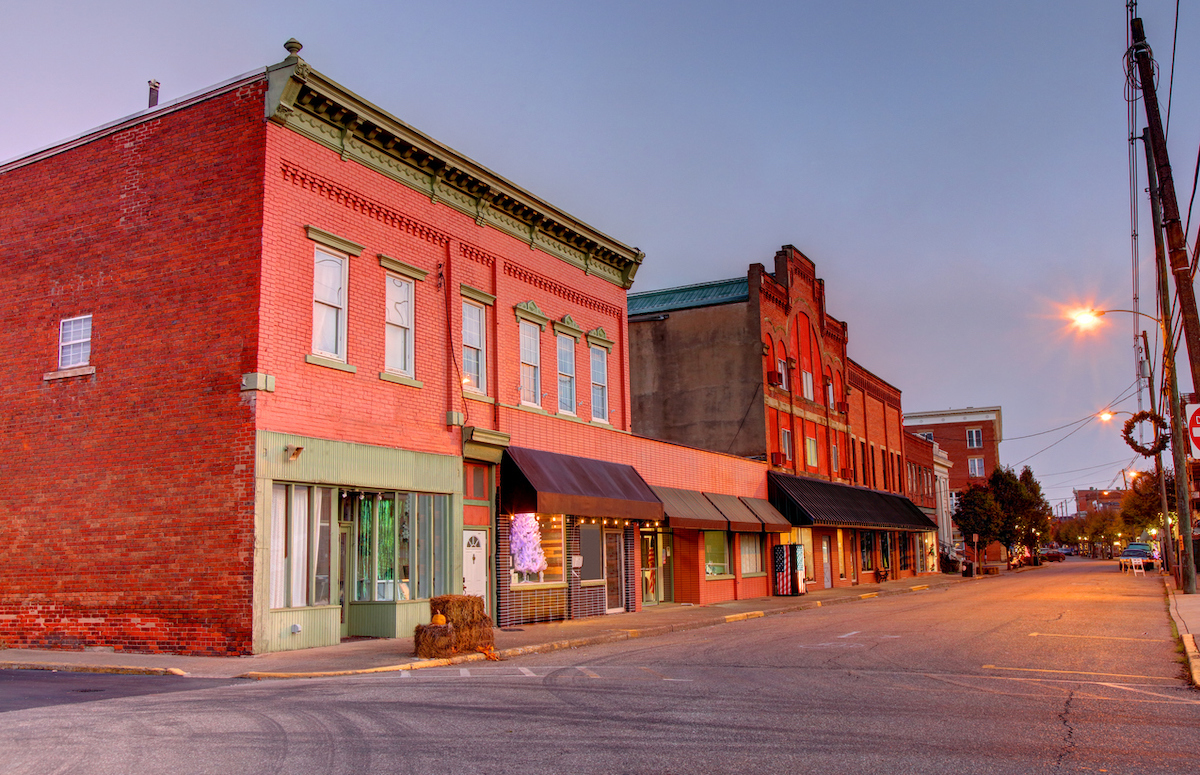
(1088,319)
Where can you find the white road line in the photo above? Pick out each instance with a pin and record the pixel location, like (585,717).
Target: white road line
(405,673)
(464,672)
(527,672)
(847,635)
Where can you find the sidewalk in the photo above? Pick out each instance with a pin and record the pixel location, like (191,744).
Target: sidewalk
(1185,610)
(376,655)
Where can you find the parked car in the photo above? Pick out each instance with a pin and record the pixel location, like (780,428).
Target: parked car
(1134,551)
(1052,555)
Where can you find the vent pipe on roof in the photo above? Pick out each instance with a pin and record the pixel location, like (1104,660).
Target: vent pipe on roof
(153,92)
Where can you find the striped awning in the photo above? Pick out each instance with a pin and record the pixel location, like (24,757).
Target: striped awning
(812,502)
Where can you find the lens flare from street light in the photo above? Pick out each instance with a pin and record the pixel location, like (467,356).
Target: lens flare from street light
(1105,416)
(1085,319)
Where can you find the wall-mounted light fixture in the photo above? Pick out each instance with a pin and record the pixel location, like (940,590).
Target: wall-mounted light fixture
(292,452)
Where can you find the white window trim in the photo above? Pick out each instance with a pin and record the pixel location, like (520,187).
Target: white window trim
(63,343)
(781,367)
(565,339)
(807,385)
(603,414)
(535,361)
(471,387)
(971,467)
(811,453)
(408,368)
(973,435)
(342,308)
(785,443)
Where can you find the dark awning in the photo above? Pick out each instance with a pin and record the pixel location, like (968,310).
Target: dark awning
(806,502)
(532,480)
(690,509)
(741,519)
(773,521)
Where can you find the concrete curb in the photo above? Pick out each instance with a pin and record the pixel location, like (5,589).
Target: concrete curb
(1190,651)
(110,669)
(593,640)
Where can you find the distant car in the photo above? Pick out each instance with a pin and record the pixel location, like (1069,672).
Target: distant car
(1052,555)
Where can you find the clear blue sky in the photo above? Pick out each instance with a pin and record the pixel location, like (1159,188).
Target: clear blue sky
(957,171)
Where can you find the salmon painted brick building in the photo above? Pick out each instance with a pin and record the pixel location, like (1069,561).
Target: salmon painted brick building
(757,367)
(282,368)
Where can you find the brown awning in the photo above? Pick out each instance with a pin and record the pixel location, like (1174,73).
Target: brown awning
(741,519)
(690,509)
(773,521)
(533,480)
(808,502)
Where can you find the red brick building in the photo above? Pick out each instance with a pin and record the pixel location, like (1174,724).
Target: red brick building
(281,368)
(757,367)
(970,437)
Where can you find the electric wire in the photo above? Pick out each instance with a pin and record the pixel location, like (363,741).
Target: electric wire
(1080,426)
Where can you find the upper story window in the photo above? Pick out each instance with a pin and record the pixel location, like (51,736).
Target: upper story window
(829,399)
(398,345)
(782,367)
(531,364)
(810,452)
(599,384)
(474,355)
(974,438)
(975,467)
(927,435)
(74,342)
(329,303)
(566,373)
(785,443)
(835,463)
(807,382)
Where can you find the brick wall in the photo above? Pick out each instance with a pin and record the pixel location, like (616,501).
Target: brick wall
(128,494)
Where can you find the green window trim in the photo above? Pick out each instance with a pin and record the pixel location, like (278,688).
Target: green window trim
(480,397)
(400,379)
(567,326)
(333,241)
(597,338)
(401,268)
(475,294)
(330,363)
(531,313)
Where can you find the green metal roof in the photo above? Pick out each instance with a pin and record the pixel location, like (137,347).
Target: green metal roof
(687,296)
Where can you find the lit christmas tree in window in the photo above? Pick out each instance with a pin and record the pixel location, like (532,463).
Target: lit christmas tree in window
(525,544)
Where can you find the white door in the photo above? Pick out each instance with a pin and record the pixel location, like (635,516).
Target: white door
(475,564)
(827,561)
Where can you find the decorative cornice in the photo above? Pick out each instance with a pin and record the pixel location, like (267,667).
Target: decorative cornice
(597,338)
(483,297)
(541,282)
(567,326)
(529,311)
(307,102)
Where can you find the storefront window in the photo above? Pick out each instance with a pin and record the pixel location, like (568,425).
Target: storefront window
(536,545)
(885,550)
(810,565)
(866,543)
(389,531)
(716,553)
(751,552)
(299,554)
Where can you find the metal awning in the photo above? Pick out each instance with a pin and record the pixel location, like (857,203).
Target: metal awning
(773,521)
(690,509)
(741,519)
(811,502)
(533,480)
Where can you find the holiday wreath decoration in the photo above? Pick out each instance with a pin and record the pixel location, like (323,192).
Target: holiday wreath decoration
(1160,436)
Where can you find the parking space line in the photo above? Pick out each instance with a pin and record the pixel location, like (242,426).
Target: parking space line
(1079,672)
(1096,637)
(588,673)
(847,635)
(527,672)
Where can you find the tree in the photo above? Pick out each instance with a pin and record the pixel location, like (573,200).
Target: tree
(1033,523)
(1026,513)
(1010,497)
(977,512)
(1141,506)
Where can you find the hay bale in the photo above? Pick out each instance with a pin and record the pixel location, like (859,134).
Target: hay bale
(434,641)
(475,635)
(459,610)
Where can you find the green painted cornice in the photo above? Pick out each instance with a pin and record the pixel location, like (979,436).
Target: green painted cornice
(529,311)
(317,107)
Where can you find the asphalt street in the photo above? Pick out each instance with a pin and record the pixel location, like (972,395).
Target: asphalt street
(1069,668)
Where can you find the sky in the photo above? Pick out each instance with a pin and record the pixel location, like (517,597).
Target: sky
(957,171)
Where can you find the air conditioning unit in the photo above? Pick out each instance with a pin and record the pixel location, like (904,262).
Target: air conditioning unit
(774,378)
(846,473)
(777,459)
(843,407)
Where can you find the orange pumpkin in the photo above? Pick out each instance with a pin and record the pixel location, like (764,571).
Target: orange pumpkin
(438,619)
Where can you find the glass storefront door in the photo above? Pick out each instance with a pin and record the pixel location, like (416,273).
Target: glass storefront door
(614,571)
(649,568)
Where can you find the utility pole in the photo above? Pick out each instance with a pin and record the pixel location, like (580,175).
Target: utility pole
(1183,504)
(1158,466)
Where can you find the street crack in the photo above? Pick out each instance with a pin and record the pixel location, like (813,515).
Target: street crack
(1069,737)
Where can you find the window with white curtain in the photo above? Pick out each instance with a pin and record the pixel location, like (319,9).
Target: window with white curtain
(301,521)
(329,304)
(599,384)
(566,373)
(474,360)
(398,322)
(751,552)
(531,364)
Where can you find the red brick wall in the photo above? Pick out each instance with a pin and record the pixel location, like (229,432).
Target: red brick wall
(308,184)
(128,495)
(875,417)
(952,438)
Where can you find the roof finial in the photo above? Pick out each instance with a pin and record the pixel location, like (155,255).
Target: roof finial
(293,46)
